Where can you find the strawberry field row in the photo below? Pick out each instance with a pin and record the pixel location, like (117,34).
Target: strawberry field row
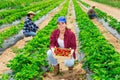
(29,61)
(100,56)
(15,29)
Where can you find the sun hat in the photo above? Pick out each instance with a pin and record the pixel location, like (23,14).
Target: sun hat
(31,12)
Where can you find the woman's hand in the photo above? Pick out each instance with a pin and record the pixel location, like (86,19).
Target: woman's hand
(53,49)
(53,52)
(71,53)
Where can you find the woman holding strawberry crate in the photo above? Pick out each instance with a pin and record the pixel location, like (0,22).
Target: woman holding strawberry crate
(62,42)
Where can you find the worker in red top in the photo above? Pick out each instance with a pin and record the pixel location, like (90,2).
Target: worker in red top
(64,38)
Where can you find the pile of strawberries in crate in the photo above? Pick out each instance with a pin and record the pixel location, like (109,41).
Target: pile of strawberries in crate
(62,51)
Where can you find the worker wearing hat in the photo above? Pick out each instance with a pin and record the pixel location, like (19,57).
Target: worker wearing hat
(29,27)
(64,38)
(91,13)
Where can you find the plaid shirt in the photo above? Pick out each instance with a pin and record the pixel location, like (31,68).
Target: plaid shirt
(29,26)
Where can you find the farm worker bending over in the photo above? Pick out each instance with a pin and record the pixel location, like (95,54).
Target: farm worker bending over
(91,13)
(29,27)
(64,38)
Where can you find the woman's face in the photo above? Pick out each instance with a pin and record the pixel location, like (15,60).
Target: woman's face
(61,26)
(31,16)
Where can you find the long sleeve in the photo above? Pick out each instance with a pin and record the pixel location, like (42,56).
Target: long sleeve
(73,41)
(52,40)
(29,26)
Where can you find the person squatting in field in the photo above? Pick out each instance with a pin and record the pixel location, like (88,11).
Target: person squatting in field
(91,13)
(29,27)
(64,38)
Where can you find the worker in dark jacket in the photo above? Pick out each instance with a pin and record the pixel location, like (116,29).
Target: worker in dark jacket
(29,27)
(91,13)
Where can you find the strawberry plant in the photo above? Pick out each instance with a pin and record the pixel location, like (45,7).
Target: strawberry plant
(15,29)
(114,23)
(32,55)
(13,15)
(100,56)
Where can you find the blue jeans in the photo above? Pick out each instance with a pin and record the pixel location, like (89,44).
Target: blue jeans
(31,33)
(92,16)
(53,61)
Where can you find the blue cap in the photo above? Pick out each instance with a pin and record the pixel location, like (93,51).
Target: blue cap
(61,19)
